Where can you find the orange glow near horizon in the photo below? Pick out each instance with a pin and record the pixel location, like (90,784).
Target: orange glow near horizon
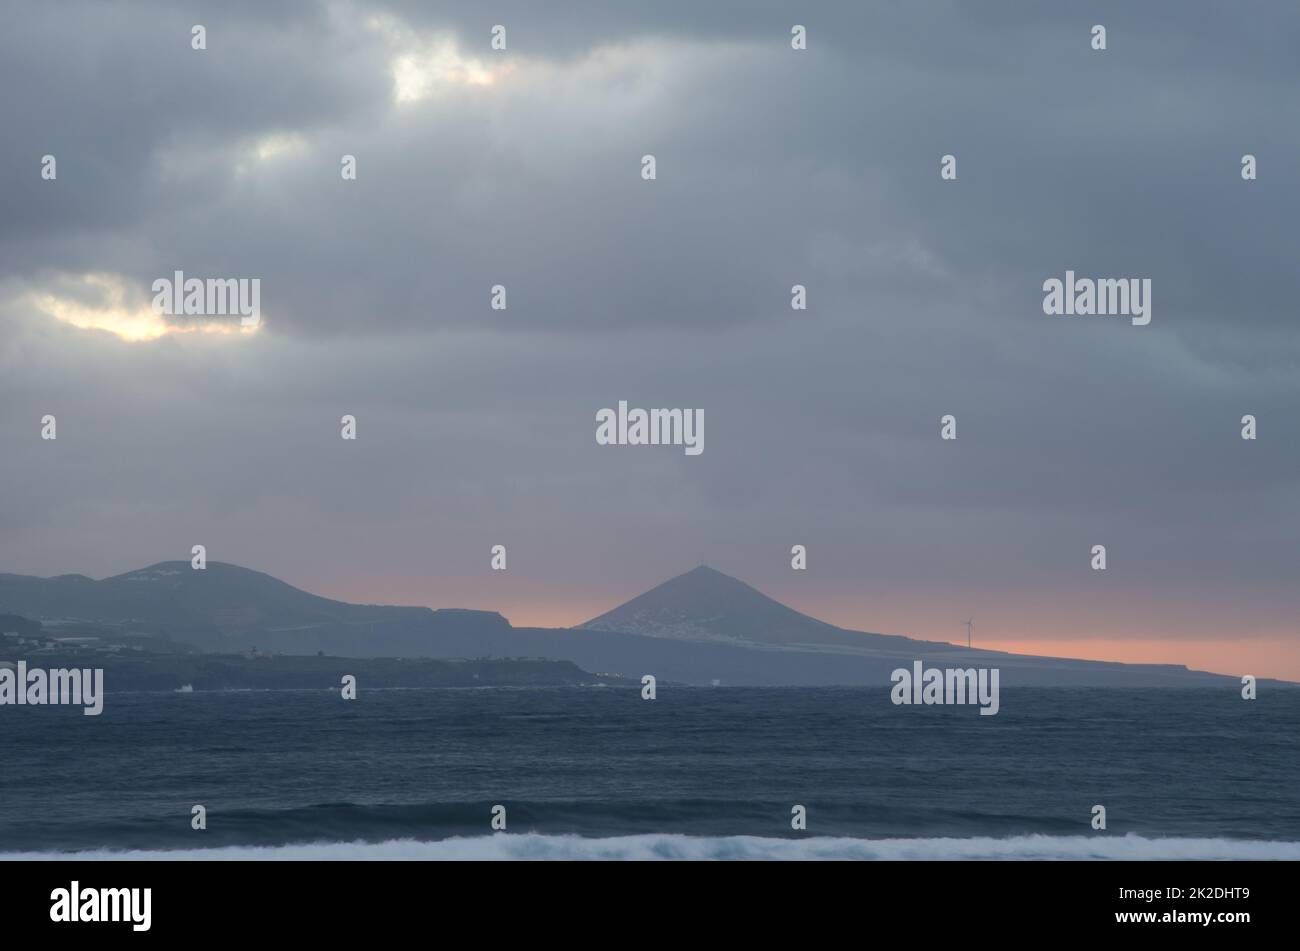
(1271,657)
(1262,657)
(1266,654)
(1121,629)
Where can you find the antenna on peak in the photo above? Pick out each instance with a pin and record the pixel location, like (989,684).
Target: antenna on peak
(970,622)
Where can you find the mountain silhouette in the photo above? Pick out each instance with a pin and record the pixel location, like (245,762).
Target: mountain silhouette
(705,604)
(219,606)
(700,627)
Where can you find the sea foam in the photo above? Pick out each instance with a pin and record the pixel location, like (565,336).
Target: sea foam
(534,847)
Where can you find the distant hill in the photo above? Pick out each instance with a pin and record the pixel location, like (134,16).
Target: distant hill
(219,607)
(698,628)
(706,605)
(736,630)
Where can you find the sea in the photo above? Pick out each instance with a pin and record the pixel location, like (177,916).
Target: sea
(696,773)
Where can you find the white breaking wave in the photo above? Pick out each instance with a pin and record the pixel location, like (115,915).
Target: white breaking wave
(534,847)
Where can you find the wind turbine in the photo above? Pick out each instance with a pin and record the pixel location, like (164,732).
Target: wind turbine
(969,624)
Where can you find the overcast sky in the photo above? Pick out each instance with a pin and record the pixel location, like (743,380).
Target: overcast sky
(522,167)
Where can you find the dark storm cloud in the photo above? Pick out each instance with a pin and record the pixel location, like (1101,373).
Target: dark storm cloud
(775,168)
(1123,159)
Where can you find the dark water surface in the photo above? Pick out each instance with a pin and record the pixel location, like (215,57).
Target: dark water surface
(274,768)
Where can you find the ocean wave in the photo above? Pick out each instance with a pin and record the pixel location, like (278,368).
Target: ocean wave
(535,847)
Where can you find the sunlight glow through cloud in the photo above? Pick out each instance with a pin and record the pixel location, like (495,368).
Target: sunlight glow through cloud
(422,66)
(278,144)
(113,311)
